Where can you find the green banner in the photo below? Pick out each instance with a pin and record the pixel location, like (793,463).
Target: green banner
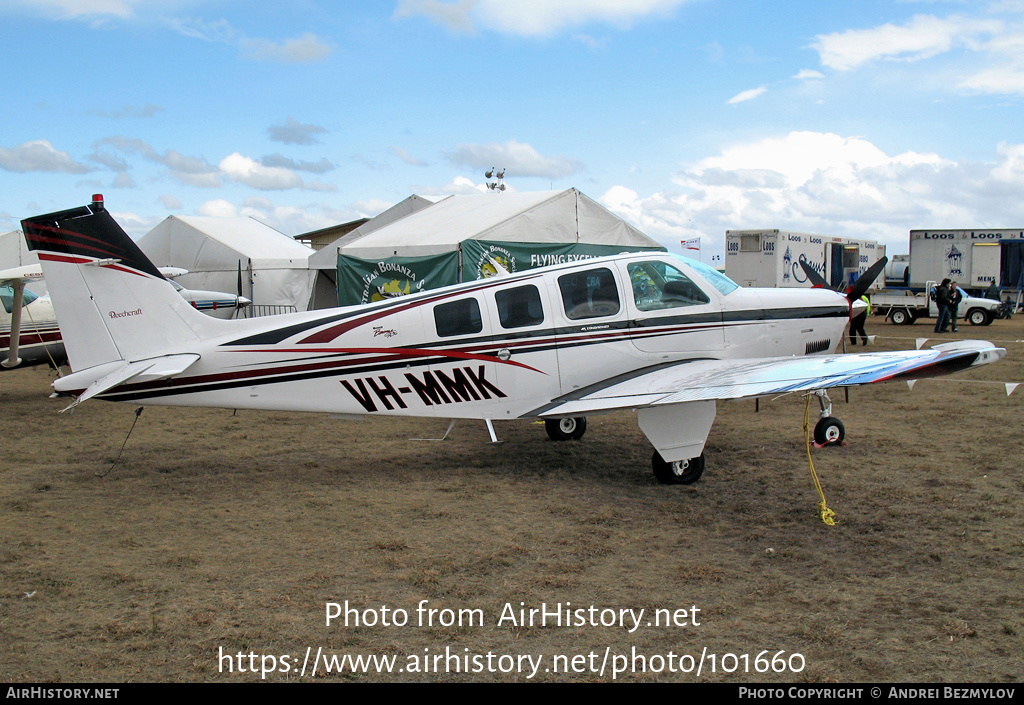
(361,281)
(520,256)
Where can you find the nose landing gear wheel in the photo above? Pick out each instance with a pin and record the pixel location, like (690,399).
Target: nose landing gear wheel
(567,429)
(680,472)
(829,431)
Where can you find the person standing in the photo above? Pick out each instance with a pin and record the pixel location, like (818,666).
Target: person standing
(857,323)
(955,297)
(941,298)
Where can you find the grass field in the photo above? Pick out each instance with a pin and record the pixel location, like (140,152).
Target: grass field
(220,533)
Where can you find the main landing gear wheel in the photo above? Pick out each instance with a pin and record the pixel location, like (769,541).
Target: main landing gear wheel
(681,472)
(567,429)
(829,431)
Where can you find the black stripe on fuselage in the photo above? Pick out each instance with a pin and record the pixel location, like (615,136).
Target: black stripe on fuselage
(596,333)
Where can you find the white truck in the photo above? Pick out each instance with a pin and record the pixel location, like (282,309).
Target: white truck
(904,306)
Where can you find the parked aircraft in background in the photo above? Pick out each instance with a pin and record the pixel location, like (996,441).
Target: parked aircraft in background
(217,304)
(29,334)
(28,327)
(666,336)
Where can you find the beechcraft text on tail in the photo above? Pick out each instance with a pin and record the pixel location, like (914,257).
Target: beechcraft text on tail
(664,335)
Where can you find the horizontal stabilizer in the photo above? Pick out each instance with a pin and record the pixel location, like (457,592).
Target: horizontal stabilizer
(139,371)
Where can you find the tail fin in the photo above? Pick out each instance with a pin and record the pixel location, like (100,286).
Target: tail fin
(111,302)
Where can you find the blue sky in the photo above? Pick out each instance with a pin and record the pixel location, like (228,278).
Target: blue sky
(686,117)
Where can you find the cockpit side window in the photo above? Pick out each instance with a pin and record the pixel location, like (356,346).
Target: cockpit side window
(519,307)
(460,317)
(589,294)
(658,285)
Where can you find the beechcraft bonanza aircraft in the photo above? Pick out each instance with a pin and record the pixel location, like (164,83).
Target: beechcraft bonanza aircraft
(666,336)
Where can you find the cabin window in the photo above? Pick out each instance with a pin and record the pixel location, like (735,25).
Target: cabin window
(519,307)
(458,318)
(658,285)
(589,294)
(7,297)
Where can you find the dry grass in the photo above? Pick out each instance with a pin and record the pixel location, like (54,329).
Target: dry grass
(221,530)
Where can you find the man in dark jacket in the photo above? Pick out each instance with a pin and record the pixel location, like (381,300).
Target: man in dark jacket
(955,297)
(941,298)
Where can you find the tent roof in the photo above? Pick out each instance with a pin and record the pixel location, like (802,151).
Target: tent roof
(14,251)
(234,237)
(327,257)
(539,217)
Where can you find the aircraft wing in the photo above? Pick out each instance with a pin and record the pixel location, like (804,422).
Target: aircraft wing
(711,380)
(26,273)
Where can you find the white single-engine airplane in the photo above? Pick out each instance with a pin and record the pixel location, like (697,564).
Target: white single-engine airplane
(664,335)
(28,326)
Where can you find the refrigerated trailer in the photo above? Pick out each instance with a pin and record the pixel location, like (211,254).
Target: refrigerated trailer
(771,258)
(973,258)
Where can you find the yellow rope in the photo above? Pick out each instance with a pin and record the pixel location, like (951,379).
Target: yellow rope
(827,515)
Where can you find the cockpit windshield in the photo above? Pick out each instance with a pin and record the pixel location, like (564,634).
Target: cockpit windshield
(7,297)
(722,283)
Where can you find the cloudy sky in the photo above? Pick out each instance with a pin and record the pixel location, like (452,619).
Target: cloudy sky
(863,118)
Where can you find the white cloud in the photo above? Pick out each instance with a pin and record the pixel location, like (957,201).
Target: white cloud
(517,158)
(122,180)
(460,185)
(193,171)
(66,9)
(39,155)
(280,160)
(295,132)
(146,111)
(828,184)
(452,15)
(923,37)
(304,49)
(404,156)
(170,202)
(747,95)
(808,75)
(218,208)
(533,17)
(252,173)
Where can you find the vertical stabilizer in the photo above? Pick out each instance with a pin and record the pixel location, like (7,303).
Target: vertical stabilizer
(111,302)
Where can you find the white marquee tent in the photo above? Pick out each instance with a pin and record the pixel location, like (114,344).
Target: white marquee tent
(547,217)
(459,238)
(274,266)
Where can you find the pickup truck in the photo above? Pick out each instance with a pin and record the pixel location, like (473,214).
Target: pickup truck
(904,306)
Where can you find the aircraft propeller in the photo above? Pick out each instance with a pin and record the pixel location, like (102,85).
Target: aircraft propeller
(858,288)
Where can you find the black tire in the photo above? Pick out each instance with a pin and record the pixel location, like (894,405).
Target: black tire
(900,317)
(683,472)
(978,317)
(829,431)
(567,429)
